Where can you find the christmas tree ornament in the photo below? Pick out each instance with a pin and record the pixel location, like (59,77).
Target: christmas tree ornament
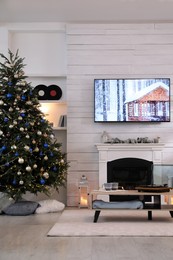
(28,168)
(19,173)
(21,129)
(46,158)
(46,175)
(6,119)
(21,182)
(42,181)
(35,166)
(26,147)
(21,160)
(39,132)
(10,109)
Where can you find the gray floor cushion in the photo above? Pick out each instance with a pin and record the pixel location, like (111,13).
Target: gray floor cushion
(21,208)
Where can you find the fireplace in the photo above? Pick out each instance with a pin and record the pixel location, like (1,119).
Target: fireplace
(129,173)
(147,151)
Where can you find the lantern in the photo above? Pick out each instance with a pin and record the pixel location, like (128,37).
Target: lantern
(83,192)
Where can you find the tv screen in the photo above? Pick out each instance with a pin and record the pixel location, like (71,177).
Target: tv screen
(132,100)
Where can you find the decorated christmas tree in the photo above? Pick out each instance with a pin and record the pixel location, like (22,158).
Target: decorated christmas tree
(30,156)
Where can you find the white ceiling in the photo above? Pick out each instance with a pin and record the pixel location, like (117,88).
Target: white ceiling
(84,11)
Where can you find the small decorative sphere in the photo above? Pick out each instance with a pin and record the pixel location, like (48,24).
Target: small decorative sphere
(20,118)
(36,149)
(20,160)
(35,166)
(27,136)
(10,109)
(21,129)
(28,168)
(13,147)
(26,147)
(21,182)
(15,122)
(46,158)
(46,175)
(42,181)
(6,119)
(39,132)
(11,126)
(1,133)
(1,102)
(9,95)
(14,182)
(23,97)
(33,141)
(52,136)
(46,145)
(19,173)
(3,147)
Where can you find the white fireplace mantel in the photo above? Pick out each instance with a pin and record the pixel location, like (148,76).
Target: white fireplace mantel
(109,152)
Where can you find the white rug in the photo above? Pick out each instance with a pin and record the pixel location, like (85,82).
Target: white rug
(79,222)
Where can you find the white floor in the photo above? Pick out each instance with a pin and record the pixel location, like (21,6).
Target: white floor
(23,238)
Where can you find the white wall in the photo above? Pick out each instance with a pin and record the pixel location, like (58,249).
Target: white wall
(111,51)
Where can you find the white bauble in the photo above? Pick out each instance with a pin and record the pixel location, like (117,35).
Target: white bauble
(39,132)
(26,147)
(20,160)
(21,129)
(28,168)
(45,158)
(46,175)
(35,166)
(21,182)
(1,102)
(36,149)
(1,133)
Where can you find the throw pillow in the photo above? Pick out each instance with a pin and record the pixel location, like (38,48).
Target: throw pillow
(21,208)
(48,206)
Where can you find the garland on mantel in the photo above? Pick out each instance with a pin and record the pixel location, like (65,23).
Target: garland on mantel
(106,139)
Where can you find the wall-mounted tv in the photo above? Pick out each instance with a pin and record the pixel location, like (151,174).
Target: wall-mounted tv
(132,100)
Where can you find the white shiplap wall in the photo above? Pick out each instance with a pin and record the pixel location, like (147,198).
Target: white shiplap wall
(115,51)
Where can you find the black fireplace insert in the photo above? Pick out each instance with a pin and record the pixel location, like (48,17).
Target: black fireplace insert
(129,173)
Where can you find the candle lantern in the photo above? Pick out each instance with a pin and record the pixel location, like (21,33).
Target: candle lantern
(83,192)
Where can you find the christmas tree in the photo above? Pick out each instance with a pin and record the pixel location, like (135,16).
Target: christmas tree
(30,156)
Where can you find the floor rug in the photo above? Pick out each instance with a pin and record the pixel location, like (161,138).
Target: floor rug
(79,222)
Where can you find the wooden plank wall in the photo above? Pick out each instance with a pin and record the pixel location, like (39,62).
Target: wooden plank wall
(111,51)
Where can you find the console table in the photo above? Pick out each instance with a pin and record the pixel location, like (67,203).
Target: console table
(158,202)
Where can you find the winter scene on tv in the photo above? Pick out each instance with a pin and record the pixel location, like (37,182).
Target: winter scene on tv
(132,100)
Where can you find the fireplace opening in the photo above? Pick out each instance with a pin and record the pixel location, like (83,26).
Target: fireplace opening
(129,173)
